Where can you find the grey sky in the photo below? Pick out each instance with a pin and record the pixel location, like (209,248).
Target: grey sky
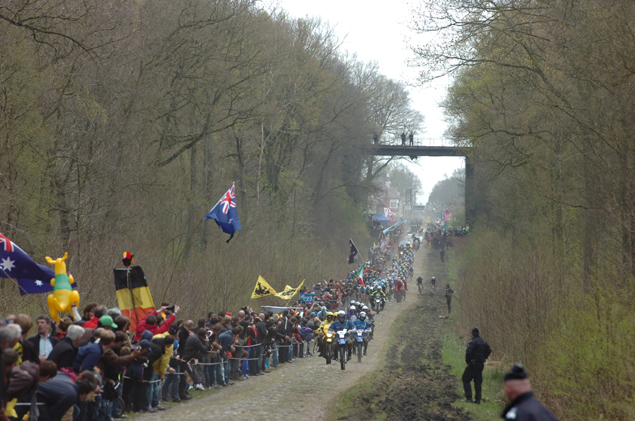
(377,30)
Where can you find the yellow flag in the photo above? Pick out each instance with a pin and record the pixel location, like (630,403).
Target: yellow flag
(262,289)
(289,292)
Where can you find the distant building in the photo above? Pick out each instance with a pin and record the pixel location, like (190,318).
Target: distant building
(385,197)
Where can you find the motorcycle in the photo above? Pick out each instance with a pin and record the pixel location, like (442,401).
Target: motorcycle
(328,346)
(341,347)
(361,334)
(377,305)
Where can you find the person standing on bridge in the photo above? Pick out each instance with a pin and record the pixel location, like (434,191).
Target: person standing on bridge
(411,137)
(475,355)
(403,139)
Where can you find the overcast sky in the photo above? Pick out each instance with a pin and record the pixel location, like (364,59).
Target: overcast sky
(378,30)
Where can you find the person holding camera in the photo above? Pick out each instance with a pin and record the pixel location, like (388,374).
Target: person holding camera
(150,322)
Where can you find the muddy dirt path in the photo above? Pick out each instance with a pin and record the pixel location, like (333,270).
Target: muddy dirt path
(303,388)
(415,384)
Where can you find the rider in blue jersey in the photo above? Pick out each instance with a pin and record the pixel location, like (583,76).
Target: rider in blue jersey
(342,323)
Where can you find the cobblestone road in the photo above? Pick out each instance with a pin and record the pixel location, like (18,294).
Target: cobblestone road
(287,391)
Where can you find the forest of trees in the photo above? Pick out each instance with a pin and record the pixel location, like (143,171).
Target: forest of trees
(448,193)
(544,92)
(122,123)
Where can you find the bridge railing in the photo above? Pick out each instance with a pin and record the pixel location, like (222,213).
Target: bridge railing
(418,141)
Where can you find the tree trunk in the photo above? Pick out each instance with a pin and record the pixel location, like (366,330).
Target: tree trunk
(192,211)
(208,180)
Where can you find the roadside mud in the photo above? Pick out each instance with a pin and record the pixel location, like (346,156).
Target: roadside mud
(414,384)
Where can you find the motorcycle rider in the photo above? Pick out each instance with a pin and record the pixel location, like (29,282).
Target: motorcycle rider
(378,293)
(371,320)
(369,314)
(362,324)
(321,331)
(340,324)
(352,313)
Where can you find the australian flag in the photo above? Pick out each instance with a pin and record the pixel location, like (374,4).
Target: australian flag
(353,253)
(32,278)
(225,213)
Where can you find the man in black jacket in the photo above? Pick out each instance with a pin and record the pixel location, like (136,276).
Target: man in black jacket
(285,327)
(523,405)
(64,353)
(184,333)
(196,346)
(475,355)
(265,340)
(43,341)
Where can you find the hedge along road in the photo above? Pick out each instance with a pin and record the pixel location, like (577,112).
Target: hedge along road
(304,388)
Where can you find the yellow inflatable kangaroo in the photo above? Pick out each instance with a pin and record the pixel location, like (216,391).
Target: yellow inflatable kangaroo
(63,296)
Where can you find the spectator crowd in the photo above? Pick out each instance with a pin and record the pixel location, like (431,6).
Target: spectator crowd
(98,368)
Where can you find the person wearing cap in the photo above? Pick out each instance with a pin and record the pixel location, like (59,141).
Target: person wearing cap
(475,355)
(107,323)
(523,404)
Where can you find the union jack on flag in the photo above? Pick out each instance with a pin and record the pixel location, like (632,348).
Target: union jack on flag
(229,200)
(225,213)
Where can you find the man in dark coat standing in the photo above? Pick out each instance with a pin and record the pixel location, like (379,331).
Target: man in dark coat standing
(65,351)
(523,405)
(475,355)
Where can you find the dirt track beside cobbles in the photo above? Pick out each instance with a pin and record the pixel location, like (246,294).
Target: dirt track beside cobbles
(415,384)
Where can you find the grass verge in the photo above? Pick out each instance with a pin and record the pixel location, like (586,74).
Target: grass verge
(453,354)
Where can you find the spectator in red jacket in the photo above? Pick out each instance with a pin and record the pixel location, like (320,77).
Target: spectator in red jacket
(150,323)
(99,311)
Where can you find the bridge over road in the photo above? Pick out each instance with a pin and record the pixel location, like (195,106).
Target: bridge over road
(419,149)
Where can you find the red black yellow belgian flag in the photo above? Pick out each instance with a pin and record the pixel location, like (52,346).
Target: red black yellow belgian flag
(133,295)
